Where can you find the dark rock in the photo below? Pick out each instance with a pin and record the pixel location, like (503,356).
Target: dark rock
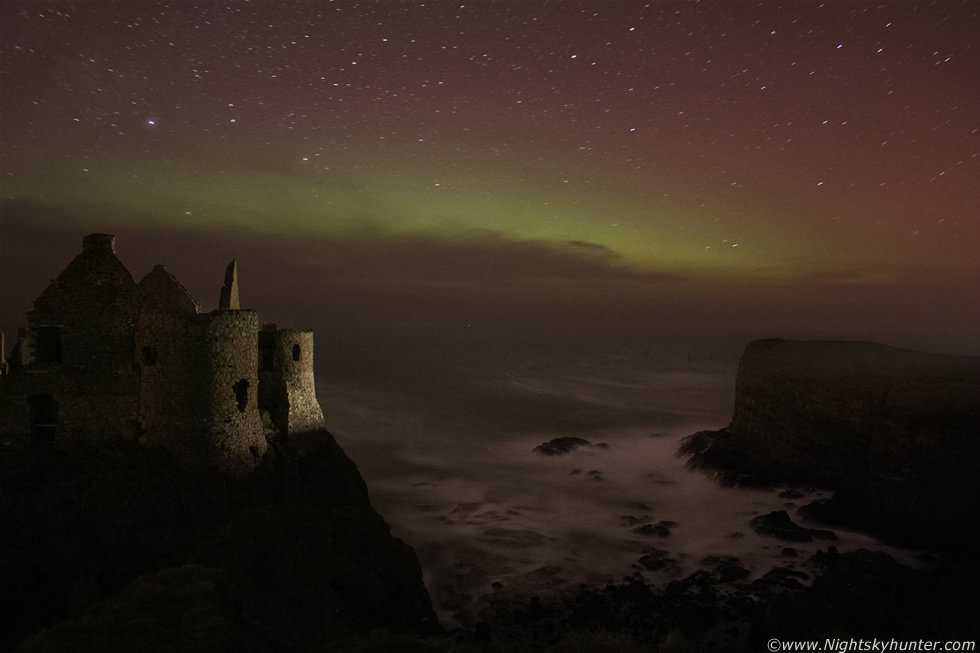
(181,608)
(726,569)
(654,559)
(868,594)
(660,529)
(563,445)
(779,580)
(120,538)
(779,525)
(895,430)
(857,594)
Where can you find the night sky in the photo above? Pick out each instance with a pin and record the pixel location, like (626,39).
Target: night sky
(794,168)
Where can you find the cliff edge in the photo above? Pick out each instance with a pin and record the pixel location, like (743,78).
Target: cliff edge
(120,547)
(896,432)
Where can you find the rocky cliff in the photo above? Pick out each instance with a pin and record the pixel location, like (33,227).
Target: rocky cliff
(120,548)
(896,432)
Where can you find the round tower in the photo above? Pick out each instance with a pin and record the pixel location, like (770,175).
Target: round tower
(287,389)
(230,389)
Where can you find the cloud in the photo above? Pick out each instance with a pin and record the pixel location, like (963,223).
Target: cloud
(367,271)
(369,275)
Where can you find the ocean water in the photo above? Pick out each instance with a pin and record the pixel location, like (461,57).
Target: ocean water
(443,425)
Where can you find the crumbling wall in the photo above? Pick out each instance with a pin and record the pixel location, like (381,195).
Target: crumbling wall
(171,369)
(84,319)
(104,357)
(286,384)
(78,346)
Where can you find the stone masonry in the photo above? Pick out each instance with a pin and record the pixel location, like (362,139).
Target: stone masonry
(106,358)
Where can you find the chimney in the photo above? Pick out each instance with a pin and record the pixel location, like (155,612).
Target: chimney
(229,292)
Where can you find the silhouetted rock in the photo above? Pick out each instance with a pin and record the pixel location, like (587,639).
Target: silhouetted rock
(654,559)
(119,547)
(566,444)
(895,431)
(660,529)
(727,569)
(868,594)
(779,525)
(858,594)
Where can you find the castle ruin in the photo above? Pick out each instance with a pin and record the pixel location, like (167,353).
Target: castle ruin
(105,358)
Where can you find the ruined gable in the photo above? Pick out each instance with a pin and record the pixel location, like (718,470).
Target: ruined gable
(84,319)
(170,369)
(162,291)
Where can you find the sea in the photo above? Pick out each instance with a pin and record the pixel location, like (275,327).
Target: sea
(443,425)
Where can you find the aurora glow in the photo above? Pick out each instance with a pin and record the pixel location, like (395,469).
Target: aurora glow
(781,166)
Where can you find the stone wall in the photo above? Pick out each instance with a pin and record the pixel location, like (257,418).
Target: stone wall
(173,372)
(84,319)
(287,388)
(105,358)
(229,345)
(74,370)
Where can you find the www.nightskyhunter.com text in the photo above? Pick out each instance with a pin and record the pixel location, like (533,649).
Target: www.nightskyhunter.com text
(847,645)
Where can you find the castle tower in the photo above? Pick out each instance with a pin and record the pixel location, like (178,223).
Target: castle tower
(199,375)
(228,343)
(287,389)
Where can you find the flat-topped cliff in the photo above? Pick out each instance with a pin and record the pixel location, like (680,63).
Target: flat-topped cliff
(897,431)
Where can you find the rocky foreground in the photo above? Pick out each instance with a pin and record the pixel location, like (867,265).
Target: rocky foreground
(119,549)
(857,595)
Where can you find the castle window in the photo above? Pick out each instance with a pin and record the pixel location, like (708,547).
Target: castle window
(49,344)
(44,417)
(149,355)
(241,394)
(295,352)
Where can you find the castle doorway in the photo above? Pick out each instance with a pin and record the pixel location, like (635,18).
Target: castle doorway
(44,417)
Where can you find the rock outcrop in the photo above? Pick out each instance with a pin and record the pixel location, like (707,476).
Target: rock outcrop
(566,444)
(121,548)
(896,432)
